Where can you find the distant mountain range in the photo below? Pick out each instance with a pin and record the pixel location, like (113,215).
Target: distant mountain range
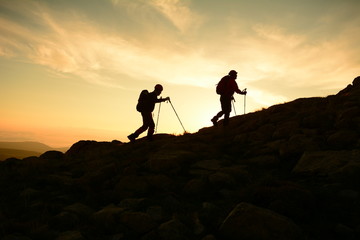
(24,149)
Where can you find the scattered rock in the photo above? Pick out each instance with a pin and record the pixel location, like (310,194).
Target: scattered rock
(52,155)
(247,221)
(71,235)
(108,217)
(174,230)
(138,222)
(325,162)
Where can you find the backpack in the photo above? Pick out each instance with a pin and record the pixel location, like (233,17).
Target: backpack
(221,86)
(141,105)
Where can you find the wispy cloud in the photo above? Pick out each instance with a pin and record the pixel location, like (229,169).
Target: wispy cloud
(73,46)
(278,34)
(178,13)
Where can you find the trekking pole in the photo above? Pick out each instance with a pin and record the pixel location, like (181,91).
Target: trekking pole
(233,103)
(177,115)
(244,101)
(157,120)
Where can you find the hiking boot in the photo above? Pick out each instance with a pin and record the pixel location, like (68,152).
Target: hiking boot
(131,137)
(214,121)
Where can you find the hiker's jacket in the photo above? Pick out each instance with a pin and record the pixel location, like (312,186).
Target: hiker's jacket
(230,88)
(149,103)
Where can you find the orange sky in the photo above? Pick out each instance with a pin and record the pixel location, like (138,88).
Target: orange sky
(73,70)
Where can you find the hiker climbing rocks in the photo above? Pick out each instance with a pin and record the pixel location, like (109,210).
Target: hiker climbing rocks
(145,106)
(226,89)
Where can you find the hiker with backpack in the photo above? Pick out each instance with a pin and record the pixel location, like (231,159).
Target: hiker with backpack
(226,89)
(145,106)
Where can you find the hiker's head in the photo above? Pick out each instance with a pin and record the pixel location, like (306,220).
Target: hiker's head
(158,89)
(233,73)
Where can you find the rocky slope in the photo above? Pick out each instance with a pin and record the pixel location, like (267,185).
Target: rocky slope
(291,171)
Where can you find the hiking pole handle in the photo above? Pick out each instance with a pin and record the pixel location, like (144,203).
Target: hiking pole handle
(167,99)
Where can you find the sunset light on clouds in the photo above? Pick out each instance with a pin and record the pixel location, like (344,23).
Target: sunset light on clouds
(73,70)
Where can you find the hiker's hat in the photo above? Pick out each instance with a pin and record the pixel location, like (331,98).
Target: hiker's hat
(232,73)
(158,87)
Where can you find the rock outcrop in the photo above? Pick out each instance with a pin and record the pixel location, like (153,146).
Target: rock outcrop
(291,171)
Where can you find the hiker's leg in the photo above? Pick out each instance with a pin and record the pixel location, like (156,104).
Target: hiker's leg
(144,127)
(151,129)
(136,134)
(216,118)
(226,108)
(218,115)
(226,118)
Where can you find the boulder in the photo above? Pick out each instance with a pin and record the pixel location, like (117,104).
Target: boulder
(89,150)
(196,187)
(210,165)
(248,222)
(64,221)
(15,237)
(325,162)
(156,212)
(71,235)
(129,186)
(159,182)
(343,139)
(297,144)
(82,211)
(138,222)
(174,230)
(108,217)
(133,204)
(356,82)
(169,160)
(52,155)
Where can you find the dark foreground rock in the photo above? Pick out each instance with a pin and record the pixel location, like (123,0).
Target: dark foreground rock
(291,171)
(247,221)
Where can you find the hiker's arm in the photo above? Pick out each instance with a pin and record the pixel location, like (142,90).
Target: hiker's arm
(237,90)
(162,99)
(243,92)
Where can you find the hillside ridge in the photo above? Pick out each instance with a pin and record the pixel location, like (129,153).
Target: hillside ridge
(290,171)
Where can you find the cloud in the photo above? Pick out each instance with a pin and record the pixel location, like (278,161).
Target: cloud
(13,37)
(72,44)
(279,64)
(266,98)
(178,13)
(278,34)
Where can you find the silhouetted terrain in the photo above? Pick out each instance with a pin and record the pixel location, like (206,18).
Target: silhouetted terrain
(24,149)
(291,171)
(6,153)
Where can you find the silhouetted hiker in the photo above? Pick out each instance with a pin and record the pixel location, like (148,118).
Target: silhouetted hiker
(226,88)
(145,106)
